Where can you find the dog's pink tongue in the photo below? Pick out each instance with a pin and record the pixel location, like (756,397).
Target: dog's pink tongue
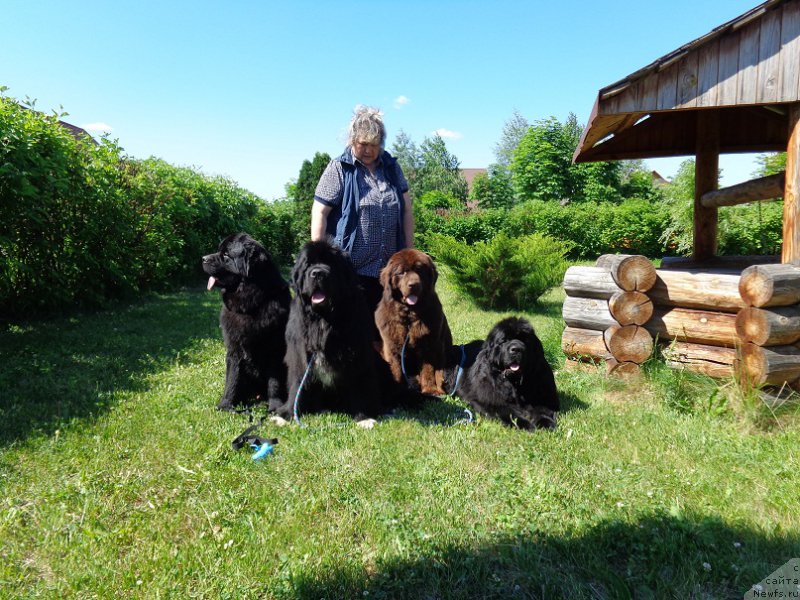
(317,297)
(411,300)
(211,282)
(514,367)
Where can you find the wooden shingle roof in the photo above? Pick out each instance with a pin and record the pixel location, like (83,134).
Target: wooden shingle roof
(747,70)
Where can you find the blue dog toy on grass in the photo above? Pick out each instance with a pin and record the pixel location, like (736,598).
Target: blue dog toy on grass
(263,446)
(264,449)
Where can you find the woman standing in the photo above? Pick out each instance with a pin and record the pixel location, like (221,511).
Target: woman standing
(362,202)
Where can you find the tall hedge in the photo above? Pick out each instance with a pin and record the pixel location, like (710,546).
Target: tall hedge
(81,223)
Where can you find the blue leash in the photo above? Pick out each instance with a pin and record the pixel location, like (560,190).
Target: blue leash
(460,372)
(300,389)
(403,359)
(470,417)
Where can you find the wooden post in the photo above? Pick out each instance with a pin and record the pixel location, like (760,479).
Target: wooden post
(706,178)
(791,193)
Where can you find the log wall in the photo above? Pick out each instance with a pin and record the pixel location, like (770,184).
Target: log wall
(720,323)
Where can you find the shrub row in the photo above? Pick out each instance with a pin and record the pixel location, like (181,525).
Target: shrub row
(81,223)
(652,228)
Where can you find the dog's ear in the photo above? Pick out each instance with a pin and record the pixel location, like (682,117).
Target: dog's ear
(258,260)
(242,262)
(386,274)
(296,276)
(434,270)
(496,336)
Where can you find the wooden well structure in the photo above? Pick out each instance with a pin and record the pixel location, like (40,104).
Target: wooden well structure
(735,89)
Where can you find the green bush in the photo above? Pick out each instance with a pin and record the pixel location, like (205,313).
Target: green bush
(435,200)
(505,272)
(80,223)
(278,228)
(594,228)
(752,229)
(461,224)
(63,227)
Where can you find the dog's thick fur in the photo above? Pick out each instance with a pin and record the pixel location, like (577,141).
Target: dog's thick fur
(410,314)
(329,319)
(511,380)
(255,309)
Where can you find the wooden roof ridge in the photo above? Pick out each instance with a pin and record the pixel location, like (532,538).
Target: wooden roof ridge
(670,58)
(746,71)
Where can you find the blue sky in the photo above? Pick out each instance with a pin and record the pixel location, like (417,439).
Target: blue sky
(250,89)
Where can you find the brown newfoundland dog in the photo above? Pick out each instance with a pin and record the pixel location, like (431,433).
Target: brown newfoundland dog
(413,328)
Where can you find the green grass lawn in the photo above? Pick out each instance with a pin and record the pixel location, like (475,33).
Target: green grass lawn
(117,479)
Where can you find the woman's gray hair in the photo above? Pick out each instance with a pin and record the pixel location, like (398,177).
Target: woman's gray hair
(366,126)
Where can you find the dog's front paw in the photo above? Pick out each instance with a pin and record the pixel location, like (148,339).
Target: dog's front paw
(367,423)
(547,419)
(278,421)
(226,406)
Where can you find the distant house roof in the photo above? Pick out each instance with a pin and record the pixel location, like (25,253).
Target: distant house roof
(745,70)
(657,178)
(469,175)
(78,133)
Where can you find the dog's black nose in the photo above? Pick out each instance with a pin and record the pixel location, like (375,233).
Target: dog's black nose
(516,348)
(317,273)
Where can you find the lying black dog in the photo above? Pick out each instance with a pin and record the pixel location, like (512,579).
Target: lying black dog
(255,309)
(329,340)
(511,380)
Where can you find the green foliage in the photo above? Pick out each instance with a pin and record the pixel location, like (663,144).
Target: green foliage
(505,272)
(310,172)
(80,223)
(637,181)
(436,200)
(755,228)
(63,230)
(770,164)
(437,170)
(513,131)
(751,229)
(463,225)
(303,193)
(494,189)
(591,228)
(542,169)
(277,227)
(406,153)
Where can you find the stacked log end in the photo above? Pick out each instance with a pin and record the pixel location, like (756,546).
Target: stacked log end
(717,321)
(605,310)
(768,326)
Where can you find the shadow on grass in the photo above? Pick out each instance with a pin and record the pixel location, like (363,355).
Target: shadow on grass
(56,371)
(657,557)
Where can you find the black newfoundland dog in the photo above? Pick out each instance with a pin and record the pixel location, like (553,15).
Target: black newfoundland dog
(255,309)
(329,339)
(511,380)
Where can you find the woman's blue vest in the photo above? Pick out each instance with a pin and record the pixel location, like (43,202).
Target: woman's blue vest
(342,221)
